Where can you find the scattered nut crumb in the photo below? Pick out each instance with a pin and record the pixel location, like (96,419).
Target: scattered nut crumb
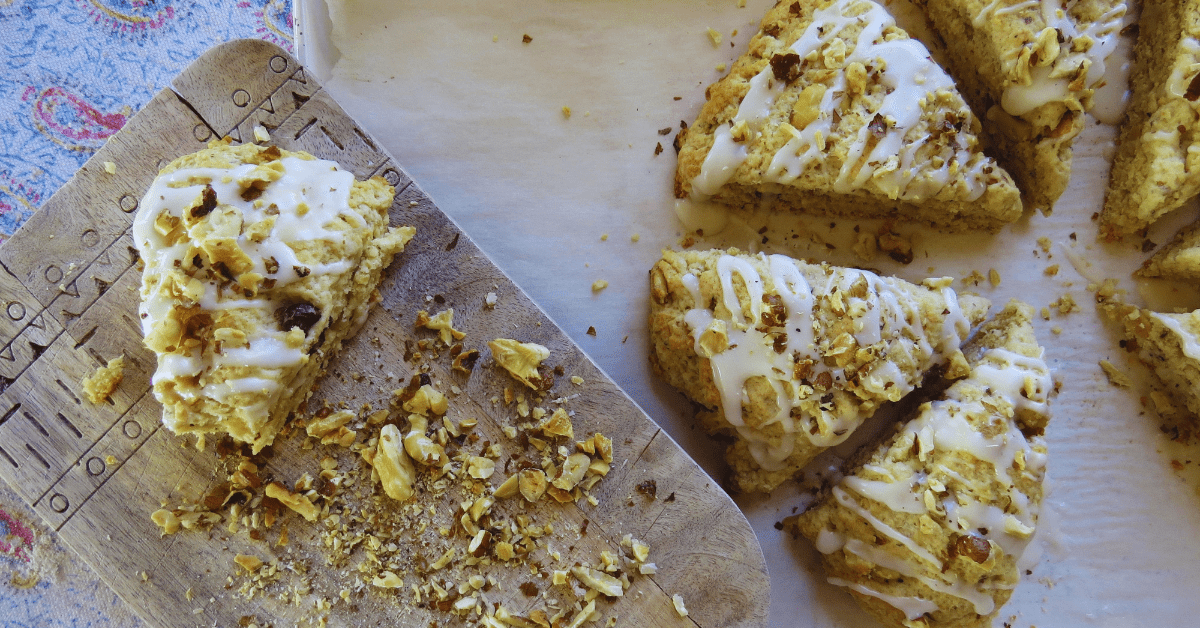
(98,386)
(1115,376)
(599,285)
(110,167)
(566,112)
(715,37)
(994,277)
(261,134)
(526,39)
(677,600)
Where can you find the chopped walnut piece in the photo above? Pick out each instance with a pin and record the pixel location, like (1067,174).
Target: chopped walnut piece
(166,520)
(332,429)
(508,488)
(481,468)
(98,386)
(427,399)
(388,580)
(677,601)
(532,484)
(603,447)
(572,471)
(392,464)
(599,581)
(420,447)
(294,501)
(1116,377)
(558,424)
(250,563)
(442,323)
(521,359)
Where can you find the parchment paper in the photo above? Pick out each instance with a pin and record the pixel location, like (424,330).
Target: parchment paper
(476,117)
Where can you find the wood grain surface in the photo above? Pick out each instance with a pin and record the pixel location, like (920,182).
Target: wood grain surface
(69,282)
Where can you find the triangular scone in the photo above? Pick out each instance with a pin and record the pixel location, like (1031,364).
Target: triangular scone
(1029,69)
(259,263)
(1157,165)
(1170,345)
(791,357)
(835,110)
(1177,259)
(926,530)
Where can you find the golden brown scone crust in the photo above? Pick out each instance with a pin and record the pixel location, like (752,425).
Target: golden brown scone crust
(226,295)
(1157,163)
(913,477)
(946,118)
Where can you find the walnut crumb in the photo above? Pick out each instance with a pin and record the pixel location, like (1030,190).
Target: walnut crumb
(110,167)
(1116,377)
(599,285)
(714,37)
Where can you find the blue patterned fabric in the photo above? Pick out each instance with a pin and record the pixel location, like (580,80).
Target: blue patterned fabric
(71,73)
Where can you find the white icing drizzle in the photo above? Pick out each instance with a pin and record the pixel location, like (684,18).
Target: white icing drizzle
(1050,83)
(1187,340)
(885,315)
(304,201)
(1182,74)
(912,607)
(910,77)
(1024,383)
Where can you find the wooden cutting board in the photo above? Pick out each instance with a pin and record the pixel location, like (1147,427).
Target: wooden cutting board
(95,472)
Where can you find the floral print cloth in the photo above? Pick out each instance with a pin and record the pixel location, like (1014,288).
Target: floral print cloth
(72,72)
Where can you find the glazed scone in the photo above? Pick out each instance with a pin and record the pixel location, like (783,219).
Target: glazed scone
(835,110)
(1158,152)
(258,264)
(1169,344)
(927,529)
(1177,259)
(791,357)
(1029,69)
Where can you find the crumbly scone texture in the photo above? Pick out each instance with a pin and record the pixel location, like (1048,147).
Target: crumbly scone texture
(1177,259)
(811,367)
(926,529)
(259,262)
(995,45)
(1162,341)
(1157,163)
(818,122)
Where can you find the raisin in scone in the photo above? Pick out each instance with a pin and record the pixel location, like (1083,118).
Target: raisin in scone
(1157,163)
(1177,259)
(259,262)
(927,529)
(835,110)
(1169,344)
(791,357)
(1029,69)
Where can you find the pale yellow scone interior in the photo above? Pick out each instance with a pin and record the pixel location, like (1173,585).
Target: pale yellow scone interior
(1157,163)
(1170,345)
(1030,70)
(791,357)
(1177,259)
(258,264)
(925,531)
(834,110)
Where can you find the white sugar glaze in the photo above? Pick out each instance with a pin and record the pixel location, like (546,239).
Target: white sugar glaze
(911,78)
(884,315)
(1005,378)
(304,201)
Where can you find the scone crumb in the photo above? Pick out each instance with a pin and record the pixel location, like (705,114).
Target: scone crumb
(714,36)
(635,237)
(1116,377)
(1051,270)
(1064,304)
(604,237)
(677,601)
(566,112)
(1044,244)
(599,285)
(721,67)
(994,277)
(1056,330)
(973,279)
(98,386)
